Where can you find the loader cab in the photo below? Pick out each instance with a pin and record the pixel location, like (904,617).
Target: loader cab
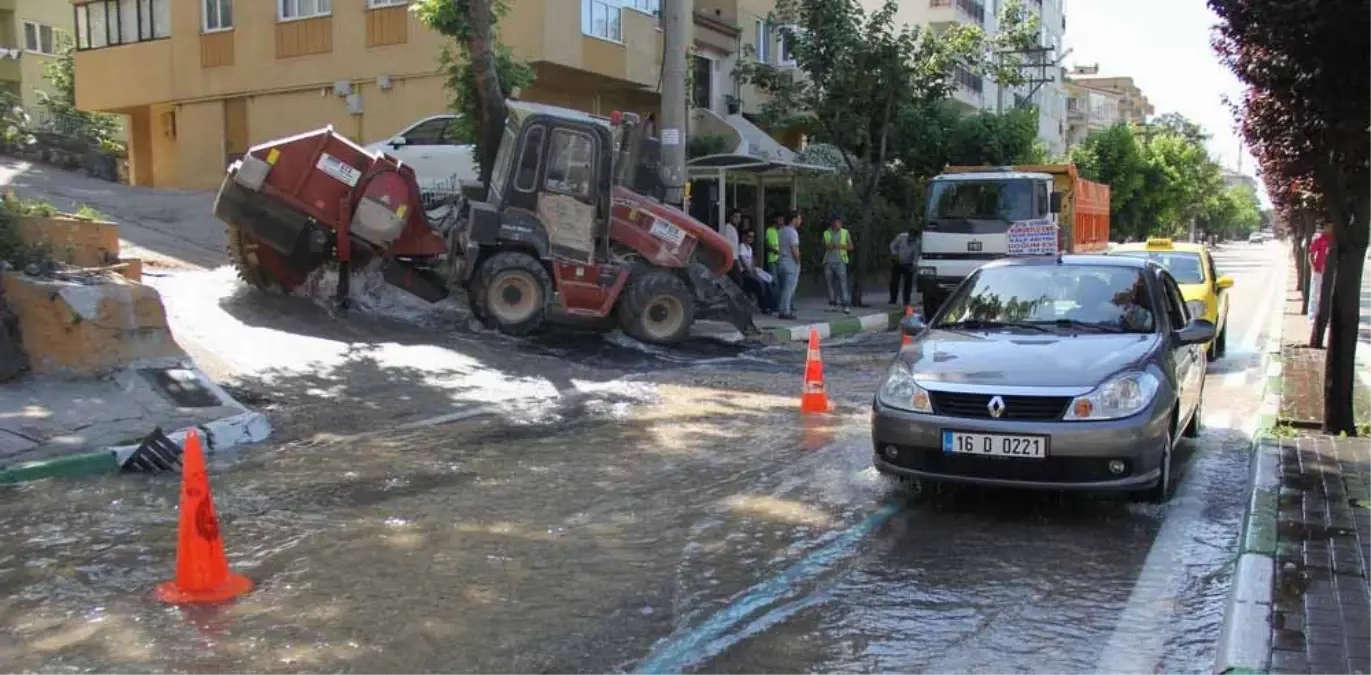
(552,182)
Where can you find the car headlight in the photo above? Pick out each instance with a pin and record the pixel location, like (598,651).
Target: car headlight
(1121,396)
(1197,309)
(899,390)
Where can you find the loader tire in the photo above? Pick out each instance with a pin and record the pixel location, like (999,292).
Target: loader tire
(512,292)
(657,308)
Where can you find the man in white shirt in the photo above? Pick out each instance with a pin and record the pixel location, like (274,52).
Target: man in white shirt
(730,230)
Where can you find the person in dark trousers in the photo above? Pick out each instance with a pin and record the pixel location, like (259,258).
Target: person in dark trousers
(904,254)
(756,282)
(855,273)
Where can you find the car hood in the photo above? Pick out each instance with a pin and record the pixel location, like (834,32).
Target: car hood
(1018,359)
(1194,292)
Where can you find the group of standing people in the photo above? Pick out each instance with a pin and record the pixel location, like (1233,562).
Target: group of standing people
(773,282)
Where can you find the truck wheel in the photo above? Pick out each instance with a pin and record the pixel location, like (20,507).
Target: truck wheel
(657,308)
(512,291)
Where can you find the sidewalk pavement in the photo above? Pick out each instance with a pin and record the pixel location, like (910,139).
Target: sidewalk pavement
(1322,601)
(1300,601)
(51,427)
(812,313)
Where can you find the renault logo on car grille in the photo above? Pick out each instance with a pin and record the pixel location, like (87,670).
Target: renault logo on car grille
(996,407)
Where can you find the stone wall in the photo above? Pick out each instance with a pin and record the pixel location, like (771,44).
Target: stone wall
(89,324)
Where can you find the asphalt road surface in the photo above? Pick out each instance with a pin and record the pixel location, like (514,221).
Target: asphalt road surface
(442,500)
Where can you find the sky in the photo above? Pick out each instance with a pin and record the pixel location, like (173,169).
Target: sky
(1164,46)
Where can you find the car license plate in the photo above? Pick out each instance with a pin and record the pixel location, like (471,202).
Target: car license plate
(994,445)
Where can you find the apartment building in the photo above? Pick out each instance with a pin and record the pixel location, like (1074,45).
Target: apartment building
(1133,106)
(31,33)
(1089,110)
(1045,90)
(215,77)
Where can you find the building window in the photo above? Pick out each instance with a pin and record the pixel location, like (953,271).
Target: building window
(702,82)
(218,15)
(39,38)
(303,9)
(373,4)
(973,9)
(571,164)
(108,23)
(651,7)
(783,55)
(968,80)
(602,19)
(761,40)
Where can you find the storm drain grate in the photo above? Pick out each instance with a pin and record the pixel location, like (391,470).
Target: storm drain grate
(155,454)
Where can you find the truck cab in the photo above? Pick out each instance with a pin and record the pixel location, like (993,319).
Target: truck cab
(967,221)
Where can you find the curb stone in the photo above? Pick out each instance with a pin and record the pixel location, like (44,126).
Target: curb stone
(218,435)
(837,328)
(1245,639)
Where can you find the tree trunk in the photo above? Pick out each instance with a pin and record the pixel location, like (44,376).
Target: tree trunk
(1325,296)
(876,167)
(1340,366)
(482,50)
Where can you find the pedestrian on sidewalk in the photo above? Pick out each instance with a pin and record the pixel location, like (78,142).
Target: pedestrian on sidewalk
(756,282)
(771,249)
(1318,262)
(837,244)
(788,267)
(904,254)
(854,270)
(730,231)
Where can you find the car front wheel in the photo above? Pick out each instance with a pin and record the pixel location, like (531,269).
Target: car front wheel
(1161,492)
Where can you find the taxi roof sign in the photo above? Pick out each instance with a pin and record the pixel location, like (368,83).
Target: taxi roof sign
(1159,242)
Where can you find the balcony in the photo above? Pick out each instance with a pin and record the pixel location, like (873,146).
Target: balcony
(944,12)
(609,41)
(103,81)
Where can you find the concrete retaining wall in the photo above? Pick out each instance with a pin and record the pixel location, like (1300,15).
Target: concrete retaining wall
(74,329)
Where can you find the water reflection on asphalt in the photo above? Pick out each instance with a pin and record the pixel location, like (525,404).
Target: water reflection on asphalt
(714,531)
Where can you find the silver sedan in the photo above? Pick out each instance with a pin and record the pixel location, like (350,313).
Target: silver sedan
(1071,373)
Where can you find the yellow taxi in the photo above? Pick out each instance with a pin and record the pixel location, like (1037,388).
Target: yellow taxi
(1193,268)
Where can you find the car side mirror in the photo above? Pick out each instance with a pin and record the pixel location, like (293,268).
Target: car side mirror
(1054,203)
(1197,332)
(1225,282)
(398,141)
(913,325)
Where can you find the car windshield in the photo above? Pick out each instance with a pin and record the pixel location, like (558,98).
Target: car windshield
(1186,267)
(1072,297)
(982,200)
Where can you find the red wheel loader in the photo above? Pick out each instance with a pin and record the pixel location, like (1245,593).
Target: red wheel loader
(571,228)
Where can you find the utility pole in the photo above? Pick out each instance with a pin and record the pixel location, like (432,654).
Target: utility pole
(674,29)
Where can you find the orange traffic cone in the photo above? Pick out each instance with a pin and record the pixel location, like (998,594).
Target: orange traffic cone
(814,399)
(908,312)
(202,572)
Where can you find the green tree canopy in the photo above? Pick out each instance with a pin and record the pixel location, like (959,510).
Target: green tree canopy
(1159,182)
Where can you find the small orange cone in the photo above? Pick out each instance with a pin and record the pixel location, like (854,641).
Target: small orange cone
(908,312)
(814,399)
(202,572)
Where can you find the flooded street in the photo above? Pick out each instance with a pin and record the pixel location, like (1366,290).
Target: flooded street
(452,501)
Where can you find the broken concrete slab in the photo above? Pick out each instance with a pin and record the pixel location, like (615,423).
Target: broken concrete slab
(46,418)
(88,323)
